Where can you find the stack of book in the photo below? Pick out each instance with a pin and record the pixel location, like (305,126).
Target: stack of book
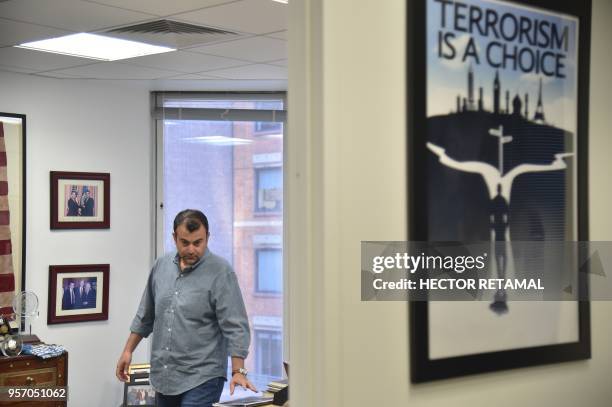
(276,386)
(245,402)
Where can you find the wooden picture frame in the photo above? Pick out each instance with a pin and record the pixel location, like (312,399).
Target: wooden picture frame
(138,389)
(78,293)
(80,200)
(456,104)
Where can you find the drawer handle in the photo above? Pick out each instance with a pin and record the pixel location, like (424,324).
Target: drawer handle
(30,381)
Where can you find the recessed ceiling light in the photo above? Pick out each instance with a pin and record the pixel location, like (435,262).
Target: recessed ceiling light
(94,46)
(282,1)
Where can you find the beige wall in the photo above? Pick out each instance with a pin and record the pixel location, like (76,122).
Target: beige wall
(346,182)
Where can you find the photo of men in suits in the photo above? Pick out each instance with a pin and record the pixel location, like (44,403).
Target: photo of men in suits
(79,293)
(80,200)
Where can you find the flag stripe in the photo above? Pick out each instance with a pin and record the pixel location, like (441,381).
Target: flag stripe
(5,232)
(6,311)
(3,158)
(7,283)
(3,188)
(5,247)
(5,218)
(6,264)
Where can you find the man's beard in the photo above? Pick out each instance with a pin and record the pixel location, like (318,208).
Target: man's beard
(190,259)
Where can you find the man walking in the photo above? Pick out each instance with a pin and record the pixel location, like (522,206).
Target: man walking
(193,306)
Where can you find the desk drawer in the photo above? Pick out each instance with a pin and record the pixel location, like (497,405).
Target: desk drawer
(32,377)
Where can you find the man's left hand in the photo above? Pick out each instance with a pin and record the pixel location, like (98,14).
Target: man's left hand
(241,380)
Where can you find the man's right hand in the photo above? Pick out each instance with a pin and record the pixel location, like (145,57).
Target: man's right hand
(122,366)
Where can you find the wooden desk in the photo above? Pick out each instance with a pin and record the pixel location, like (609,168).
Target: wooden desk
(24,371)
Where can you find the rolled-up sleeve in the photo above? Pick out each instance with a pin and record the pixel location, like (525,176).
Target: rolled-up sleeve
(142,324)
(231,314)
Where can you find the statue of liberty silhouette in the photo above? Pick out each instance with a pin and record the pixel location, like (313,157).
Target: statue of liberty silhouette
(499,187)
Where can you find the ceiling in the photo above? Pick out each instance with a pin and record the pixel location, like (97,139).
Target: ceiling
(258,53)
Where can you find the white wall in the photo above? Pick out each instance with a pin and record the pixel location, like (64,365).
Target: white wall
(346,182)
(93,127)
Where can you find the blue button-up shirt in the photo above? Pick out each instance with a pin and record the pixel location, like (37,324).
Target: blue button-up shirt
(197,318)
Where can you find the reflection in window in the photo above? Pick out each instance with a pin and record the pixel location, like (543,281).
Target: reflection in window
(269,347)
(269,189)
(269,270)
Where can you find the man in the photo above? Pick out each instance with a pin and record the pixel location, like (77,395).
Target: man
(89,297)
(73,204)
(193,306)
(80,292)
(69,297)
(87,203)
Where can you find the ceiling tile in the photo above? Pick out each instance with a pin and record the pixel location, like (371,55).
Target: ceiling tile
(57,75)
(116,70)
(254,71)
(73,15)
(16,69)
(186,62)
(281,35)
(281,62)
(190,76)
(249,16)
(37,60)
(255,49)
(14,32)
(163,7)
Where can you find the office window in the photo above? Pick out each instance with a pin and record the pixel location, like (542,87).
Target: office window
(269,270)
(269,189)
(269,127)
(210,158)
(269,348)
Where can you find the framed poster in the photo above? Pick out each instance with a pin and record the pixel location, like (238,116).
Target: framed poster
(497,144)
(78,293)
(12,208)
(80,200)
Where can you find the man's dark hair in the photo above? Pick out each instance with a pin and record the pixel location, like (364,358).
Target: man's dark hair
(192,218)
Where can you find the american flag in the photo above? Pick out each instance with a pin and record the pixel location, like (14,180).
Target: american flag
(7,277)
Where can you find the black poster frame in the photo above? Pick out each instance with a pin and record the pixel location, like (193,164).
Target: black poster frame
(423,368)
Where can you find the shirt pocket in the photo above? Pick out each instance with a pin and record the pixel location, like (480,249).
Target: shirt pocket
(194,305)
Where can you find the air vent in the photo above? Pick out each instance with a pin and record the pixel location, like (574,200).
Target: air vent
(170,33)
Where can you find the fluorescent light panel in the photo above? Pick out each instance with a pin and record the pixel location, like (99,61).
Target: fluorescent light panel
(95,46)
(282,1)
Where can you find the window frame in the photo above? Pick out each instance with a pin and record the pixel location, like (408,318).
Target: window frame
(159,114)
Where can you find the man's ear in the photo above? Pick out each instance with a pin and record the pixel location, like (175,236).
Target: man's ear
(174,236)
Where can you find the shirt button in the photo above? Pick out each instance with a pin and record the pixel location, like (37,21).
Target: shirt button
(167,348)
(172,311)
(165,366)
(176,293)
(169,329)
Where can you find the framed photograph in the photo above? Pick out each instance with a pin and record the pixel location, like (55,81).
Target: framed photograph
(12,207)
(80,200)
(138,391)
(498,139)
(78,293)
